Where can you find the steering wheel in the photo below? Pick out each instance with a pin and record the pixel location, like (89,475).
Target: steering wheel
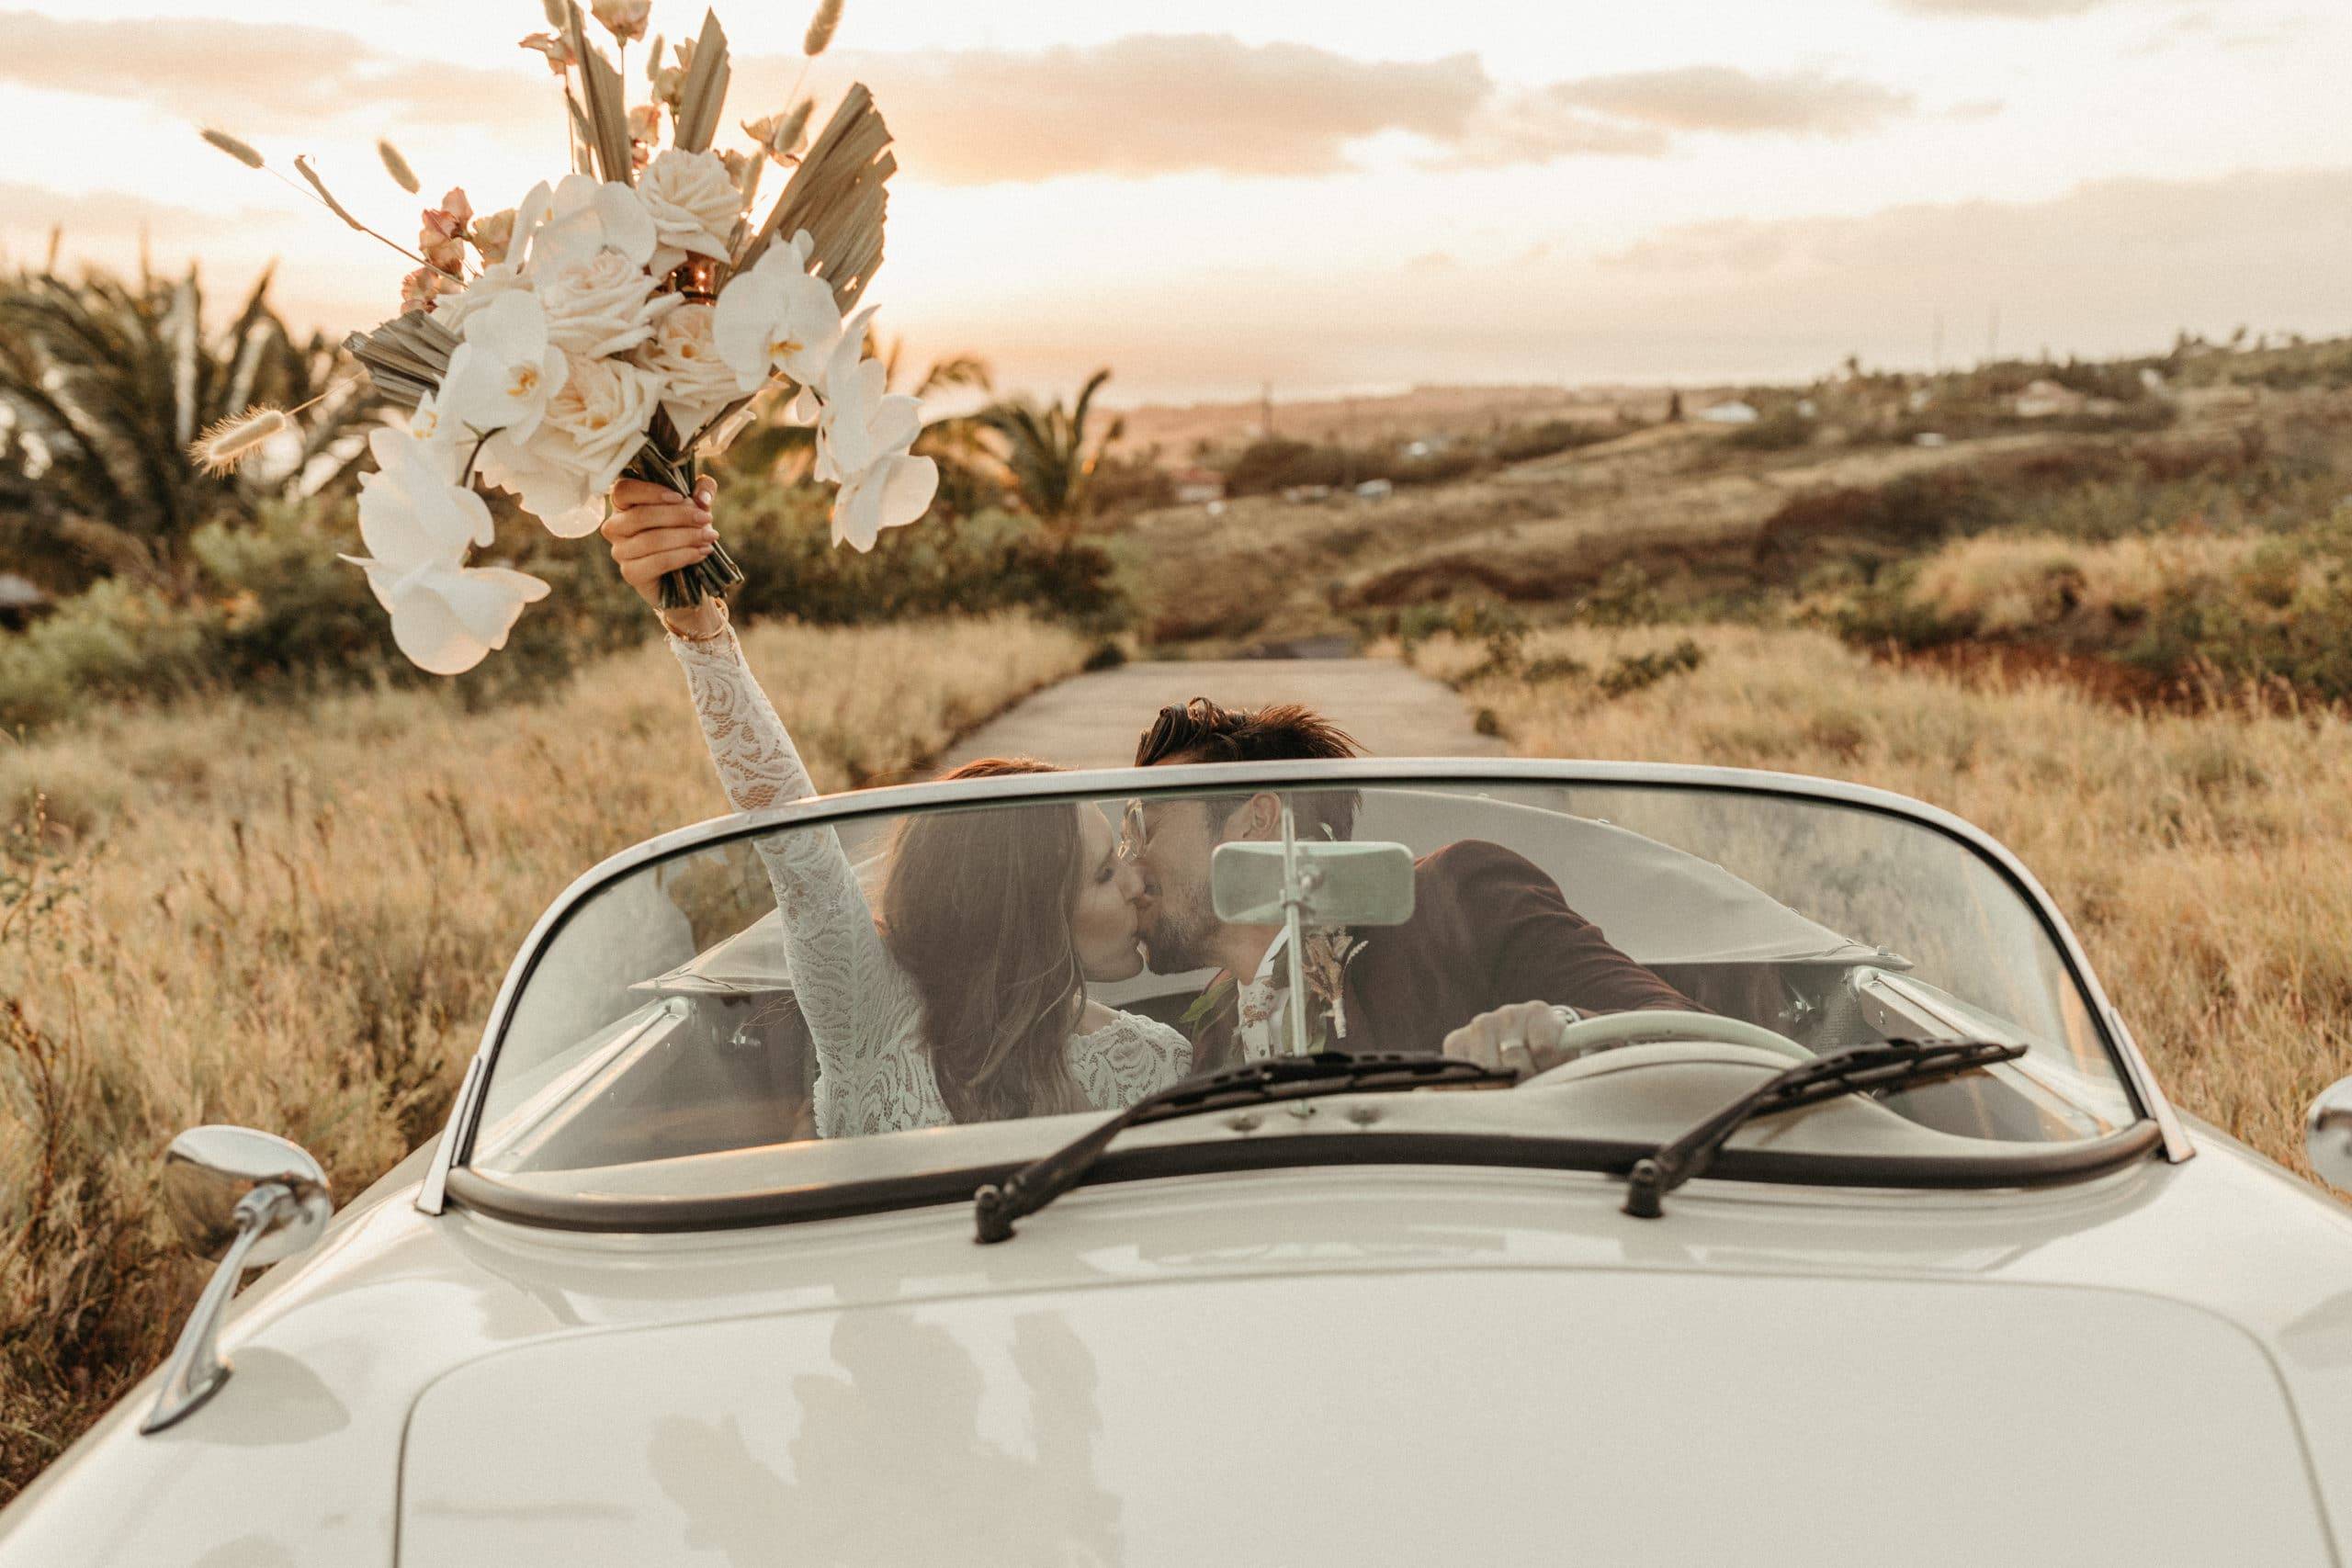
(1614,1028)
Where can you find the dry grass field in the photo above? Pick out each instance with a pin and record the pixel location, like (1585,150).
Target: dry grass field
(2204,858)
(295,920)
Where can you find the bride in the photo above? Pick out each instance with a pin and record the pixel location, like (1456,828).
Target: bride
(966,1001)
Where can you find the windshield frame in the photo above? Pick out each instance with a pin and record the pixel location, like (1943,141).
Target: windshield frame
(455,1152)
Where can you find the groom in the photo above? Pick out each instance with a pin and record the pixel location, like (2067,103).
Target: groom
(1492,963)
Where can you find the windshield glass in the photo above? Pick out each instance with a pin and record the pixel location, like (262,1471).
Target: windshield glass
(814,1004)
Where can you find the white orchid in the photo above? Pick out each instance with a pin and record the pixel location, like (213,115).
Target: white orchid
(864,434)
(557,495)
(593,428)
(891,493)
(503,373)
(509,274)
(426,447)
(417,525)
(413,495)
(776,316)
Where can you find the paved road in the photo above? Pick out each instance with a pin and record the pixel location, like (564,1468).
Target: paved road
(1092,721)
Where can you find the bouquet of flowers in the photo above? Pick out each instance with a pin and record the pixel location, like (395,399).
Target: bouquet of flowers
(617,323)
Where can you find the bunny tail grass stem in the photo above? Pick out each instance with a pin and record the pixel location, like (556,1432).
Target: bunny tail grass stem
(231,441)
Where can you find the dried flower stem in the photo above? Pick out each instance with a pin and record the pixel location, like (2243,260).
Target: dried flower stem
(318,187)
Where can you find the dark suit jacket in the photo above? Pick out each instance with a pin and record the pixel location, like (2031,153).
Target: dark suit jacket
(1489,929)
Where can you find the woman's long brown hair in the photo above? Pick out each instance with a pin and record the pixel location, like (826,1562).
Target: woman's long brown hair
(977,910)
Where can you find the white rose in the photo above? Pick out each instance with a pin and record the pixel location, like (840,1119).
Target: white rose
(580,217)
(695,382)
(600,304)
(694,203)
(595,423)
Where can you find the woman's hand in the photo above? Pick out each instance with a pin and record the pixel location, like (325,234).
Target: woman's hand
(654,531)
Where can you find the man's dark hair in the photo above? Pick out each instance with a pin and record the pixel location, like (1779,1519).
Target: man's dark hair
(1201,731)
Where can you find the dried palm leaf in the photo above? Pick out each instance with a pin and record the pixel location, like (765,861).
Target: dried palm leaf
(705,90)
(840,195)
(607,111)
(405,357)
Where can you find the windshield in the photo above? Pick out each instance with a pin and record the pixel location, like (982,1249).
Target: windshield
(827,1003)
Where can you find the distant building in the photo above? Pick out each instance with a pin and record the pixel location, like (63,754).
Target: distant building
(1198,487)
(2048,399)
(1733,412)
(21,599)
(1375,489)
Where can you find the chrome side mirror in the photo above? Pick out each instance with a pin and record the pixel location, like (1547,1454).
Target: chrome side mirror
(2327,1134)
(246,1199)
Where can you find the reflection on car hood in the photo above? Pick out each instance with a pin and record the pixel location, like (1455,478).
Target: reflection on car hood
(1447,1415)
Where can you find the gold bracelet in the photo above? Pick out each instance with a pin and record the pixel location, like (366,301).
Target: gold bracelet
(707,636)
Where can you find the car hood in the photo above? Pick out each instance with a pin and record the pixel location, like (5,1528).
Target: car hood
(1434,1415)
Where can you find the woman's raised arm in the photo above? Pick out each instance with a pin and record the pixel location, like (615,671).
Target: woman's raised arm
(862,1015)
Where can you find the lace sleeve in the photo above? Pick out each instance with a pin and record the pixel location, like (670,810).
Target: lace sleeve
(1127,1058)
(863,1014)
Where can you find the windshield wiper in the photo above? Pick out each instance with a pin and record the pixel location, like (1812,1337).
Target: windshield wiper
(994,1208)
(1898,1064)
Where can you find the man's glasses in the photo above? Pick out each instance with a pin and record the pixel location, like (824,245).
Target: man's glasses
(1133,835)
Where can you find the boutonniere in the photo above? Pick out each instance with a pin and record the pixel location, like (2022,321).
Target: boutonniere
(1324,961)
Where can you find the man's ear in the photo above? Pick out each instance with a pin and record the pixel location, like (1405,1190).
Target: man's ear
(1261,819)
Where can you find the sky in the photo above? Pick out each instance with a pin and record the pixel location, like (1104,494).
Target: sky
(1319,197)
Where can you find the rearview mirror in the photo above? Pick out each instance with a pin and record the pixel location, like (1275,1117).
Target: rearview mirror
(1341,884)
(2327,1134)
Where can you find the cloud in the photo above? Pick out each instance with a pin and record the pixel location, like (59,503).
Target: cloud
(1135,107)
(1722,99)
(107,218)
(1151,105)
(2112,266)
(2128,229)
(1160,104)
(2021,10)
(257,79)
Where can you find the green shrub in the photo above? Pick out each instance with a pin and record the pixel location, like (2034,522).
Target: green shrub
(995,560)
(275,613)
(1552,436)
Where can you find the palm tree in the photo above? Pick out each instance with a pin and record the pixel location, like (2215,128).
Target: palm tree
(1046,453)
(103,384)
(778,449)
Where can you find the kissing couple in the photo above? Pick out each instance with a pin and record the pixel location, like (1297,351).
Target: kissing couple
(964,998)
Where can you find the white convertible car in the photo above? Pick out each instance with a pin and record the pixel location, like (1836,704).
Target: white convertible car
(1886,1249)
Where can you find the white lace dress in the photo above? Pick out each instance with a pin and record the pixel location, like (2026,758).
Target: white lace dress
(863,1015)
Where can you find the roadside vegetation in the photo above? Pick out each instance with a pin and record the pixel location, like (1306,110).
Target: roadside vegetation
(223,912)
(2203,854)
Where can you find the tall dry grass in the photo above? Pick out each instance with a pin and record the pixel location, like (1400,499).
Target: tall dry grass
(295,921)
(2204,859)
